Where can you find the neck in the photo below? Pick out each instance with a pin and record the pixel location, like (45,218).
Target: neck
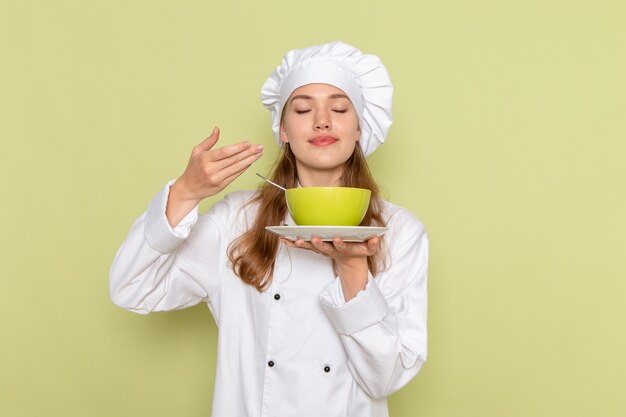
(319,178)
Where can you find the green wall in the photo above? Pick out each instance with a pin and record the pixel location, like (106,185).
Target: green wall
(508,143)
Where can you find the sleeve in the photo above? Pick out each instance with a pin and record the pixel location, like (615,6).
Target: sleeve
(383,328)
(160,268)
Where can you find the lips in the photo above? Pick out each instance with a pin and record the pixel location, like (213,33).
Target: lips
(323,141)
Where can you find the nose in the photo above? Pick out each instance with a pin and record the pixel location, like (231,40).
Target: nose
(322,121)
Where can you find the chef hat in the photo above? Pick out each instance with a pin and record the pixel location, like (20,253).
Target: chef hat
(363,78)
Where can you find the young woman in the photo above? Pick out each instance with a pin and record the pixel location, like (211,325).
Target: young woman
(306,328)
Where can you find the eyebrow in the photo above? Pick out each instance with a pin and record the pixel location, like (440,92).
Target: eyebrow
(332,96)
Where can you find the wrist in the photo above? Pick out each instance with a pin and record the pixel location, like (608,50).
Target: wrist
(178,206)
(179,192)
(353,275)
(353,267)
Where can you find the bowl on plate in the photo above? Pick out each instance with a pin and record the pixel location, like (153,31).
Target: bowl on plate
(327,206)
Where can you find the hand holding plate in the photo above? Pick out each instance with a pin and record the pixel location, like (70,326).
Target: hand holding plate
(350,257)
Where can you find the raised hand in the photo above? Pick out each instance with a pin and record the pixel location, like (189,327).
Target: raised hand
(208,172)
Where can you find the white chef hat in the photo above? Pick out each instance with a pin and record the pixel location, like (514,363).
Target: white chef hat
(363,78)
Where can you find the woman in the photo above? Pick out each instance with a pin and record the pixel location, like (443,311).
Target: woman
(305,328)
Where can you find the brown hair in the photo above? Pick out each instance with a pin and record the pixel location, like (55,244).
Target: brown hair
(253,254)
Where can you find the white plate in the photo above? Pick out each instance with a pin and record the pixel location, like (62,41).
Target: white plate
(347,233)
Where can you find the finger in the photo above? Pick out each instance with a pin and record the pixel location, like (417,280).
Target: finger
(351,248)
(209,142)
(230,178)
(373,244)
(228,174)
(226,181)
(237,157)
(339,244)
(322,247)
(302,244)
(287,242)
(228,151)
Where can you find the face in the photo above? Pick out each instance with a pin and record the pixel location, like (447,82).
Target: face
(322,128)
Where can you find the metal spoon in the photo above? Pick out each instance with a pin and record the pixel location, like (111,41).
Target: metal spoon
(273,183)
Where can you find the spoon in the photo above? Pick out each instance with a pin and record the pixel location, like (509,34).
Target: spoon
(273,183)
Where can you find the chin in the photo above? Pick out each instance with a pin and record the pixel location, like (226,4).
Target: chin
(323,163)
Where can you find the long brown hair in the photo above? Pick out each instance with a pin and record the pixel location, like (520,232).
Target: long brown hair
(253,254)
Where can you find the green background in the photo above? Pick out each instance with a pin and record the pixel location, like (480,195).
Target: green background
(508,143)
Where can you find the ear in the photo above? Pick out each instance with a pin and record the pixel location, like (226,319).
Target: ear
(358,136)
(283,133)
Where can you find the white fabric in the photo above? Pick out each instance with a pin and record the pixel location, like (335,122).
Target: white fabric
(362,77)
(372,345)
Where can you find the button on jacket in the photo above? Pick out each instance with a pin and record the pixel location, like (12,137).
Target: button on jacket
(296,349)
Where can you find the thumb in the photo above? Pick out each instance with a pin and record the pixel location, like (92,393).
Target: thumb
(209,142)
(372,244)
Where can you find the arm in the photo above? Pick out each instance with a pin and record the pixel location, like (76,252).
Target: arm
(161,266)
(156,269)
(383,328)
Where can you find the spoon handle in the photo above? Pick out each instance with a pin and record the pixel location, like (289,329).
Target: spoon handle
(273,183)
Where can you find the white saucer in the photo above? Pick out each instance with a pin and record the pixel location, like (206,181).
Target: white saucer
(326,233)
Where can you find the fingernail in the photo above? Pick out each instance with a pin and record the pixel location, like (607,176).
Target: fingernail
(259,148)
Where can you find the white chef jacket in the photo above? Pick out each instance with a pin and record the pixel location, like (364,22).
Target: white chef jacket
(296,349)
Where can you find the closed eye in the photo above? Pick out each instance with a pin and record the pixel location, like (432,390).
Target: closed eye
(306,111)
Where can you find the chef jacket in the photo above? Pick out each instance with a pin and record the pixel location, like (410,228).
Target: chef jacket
(297,348)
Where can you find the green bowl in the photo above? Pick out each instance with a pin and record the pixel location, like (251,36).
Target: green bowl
(327,206)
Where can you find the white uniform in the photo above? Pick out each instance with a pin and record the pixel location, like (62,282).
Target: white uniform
(297,349)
